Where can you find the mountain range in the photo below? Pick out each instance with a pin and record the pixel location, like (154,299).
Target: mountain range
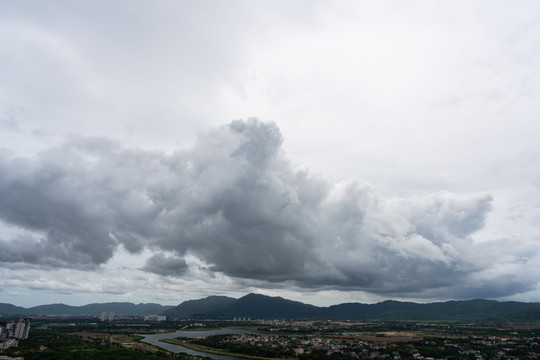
(256,306)
(119,308)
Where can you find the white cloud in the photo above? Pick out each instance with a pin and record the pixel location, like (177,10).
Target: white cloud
(434,103)
(234,205)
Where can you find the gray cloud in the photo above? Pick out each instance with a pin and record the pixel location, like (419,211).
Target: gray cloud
(237,203)
(166,265)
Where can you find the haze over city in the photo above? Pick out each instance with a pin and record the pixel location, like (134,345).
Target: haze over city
(323,151)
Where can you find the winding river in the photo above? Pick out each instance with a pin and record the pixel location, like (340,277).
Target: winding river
(154,339)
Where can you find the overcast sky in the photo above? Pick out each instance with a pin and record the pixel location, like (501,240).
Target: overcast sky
(323,151)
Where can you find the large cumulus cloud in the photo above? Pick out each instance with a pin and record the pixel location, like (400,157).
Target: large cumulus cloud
(235,202)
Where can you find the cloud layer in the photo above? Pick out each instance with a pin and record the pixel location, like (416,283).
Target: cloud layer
(235,202)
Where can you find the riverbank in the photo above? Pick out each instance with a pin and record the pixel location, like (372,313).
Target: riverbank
(156,340)
(214,351)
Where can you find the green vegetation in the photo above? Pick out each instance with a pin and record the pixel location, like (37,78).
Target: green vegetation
(59,344)
(227,343)
(193,345)
(402,340)
(378,340)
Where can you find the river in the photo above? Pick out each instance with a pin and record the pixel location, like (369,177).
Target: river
(154,339)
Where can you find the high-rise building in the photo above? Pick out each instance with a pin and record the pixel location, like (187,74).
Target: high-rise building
(111,316)
(103,316)
(22,329)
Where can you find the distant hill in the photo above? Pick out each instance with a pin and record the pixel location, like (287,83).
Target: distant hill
(11,310)
(125,308)
(451,310)
(192,308)
(119,308)
(256,306)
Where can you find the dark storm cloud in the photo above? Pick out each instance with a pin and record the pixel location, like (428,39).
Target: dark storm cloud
(235,202)
(166,265)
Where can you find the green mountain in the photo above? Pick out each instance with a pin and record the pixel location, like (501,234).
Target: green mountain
(192,308)
(451,310)
(125,308)
(11,310)
(256,306)
(119,308)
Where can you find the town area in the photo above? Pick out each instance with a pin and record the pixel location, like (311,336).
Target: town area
(381,340)
(87,338)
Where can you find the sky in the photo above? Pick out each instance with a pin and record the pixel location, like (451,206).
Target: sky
(322,151)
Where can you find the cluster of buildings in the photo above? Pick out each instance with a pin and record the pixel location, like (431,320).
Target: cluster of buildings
(155,318)
(352,348)
(241,319)
(12,332)
(110,316)
(107,316)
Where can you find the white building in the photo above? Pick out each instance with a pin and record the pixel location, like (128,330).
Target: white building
(22,329)
(154,318)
